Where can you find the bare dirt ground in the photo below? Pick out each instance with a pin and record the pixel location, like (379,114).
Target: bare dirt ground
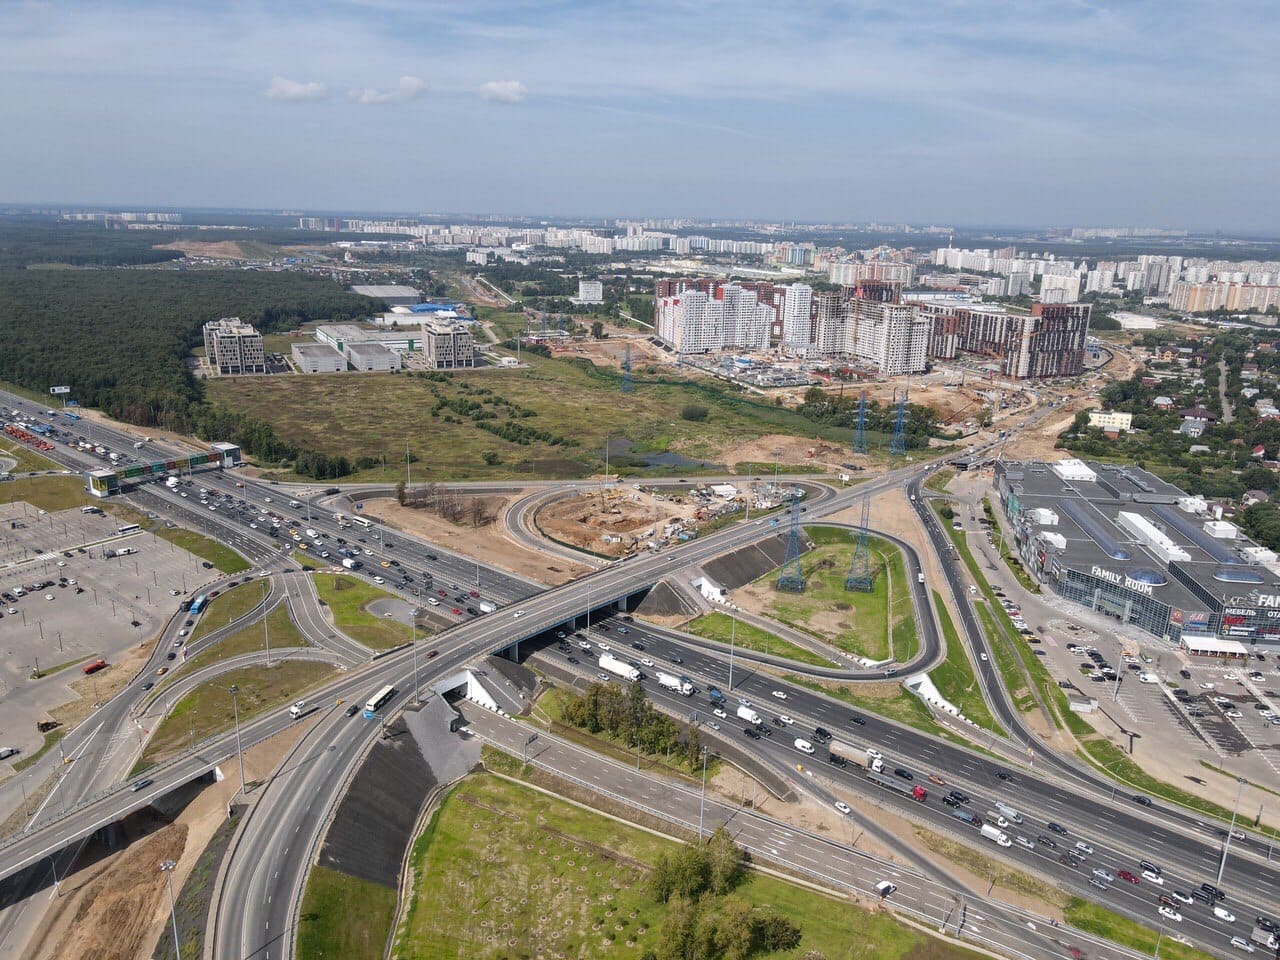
(781,449)
(611,352)
(626,515)
(116,909)
(217,249)
(489,543)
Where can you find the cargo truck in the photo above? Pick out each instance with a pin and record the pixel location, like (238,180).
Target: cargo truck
(898,785)
(619,667)
(716,697)
(351,564)
(842,754)
(486,607)
(680,685)
(747,714)
(995,834)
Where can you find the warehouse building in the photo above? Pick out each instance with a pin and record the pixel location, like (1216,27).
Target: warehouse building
(1125,543)
(317,358)
(233,348)
(372,357)
(448,346)
(391,294)
(338,335)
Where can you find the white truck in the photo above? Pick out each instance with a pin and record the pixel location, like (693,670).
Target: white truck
(486,607)
(619,667)
(172,483)
(300,709)
(351,564)
(747,714)
(996,835)
(312,533)
(680,685)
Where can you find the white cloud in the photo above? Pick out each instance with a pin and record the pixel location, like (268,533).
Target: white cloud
(504,91)
(291,91)
(408,88)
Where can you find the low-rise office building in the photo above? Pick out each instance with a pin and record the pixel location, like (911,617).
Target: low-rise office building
(233,348)
(448,346)
(317,358)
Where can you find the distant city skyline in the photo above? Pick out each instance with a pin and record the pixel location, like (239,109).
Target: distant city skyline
(1134,113)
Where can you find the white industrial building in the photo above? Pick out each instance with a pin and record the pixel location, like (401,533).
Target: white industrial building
(232,347)
(372,357)
(317,358)
(338,335)
(590,291)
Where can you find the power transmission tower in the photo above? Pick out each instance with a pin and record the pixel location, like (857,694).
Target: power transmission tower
(628,384)
(860,435)
(861,578)
(898,445)
(791,577)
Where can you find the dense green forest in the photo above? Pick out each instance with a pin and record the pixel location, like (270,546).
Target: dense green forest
(120,338)
(24,242)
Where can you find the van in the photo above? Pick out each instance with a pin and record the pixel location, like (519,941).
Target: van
(1148,865)
(1009,812)
(7,752)
(804,746)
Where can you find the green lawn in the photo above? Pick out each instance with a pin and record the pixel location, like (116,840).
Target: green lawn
(228,606)
(343,917)
(504,871)
(1102,922)
(347,598)
(939,479)
(890,700)
(573,405)
(280,630)
(208,709)
(867,624)
(719,626)
(50,741)
(47,493)
(224,558)
(954,676)
(29,461)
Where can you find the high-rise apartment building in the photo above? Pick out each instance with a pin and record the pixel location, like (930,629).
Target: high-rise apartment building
(796,310)
(1060,287)
(232,347)
(892,337)
(1047,343)
(701,316)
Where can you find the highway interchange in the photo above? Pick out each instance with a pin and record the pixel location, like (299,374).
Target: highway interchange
(254,921)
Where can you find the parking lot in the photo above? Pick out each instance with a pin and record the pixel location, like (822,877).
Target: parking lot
(70,603)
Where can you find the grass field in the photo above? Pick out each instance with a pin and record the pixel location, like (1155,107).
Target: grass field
(506,871)
(954,677)
(207,709)
(347,599)
(573,405)
(280,629)
(224,558)
(50,741)
(872,624)
(1100,921)
(228,606)
(890,700)
(982,866)
(343,917)
(29,461)
(47,493)
(719,626)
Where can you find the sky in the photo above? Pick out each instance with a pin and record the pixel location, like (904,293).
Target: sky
(1071,112)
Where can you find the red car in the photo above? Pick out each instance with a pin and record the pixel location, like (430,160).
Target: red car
(432,654)
(475,594)
(443,593)
(456,612)
(1126,875)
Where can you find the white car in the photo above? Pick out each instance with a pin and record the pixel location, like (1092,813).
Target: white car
(843,807)
(183,633)
(584,645)
(48,596)
(62,563)
(518,614)
(1240,943)
(646,661)
(785,719)
(720,713)
(603,646)
(780,694)
(368,552)
(1170,914)
(1222,913)
(713,725)
(982,657)
(379,580)
(1152,877)
(1231,675)
(1024,842)
(1082,847)
(1183,897)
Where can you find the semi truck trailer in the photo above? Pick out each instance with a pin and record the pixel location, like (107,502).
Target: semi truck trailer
(619,667)
(680,685)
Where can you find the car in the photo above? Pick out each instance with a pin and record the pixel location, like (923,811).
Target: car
(713,725)
(857,720)
(950,801)
(934,778)
(574,660)
(1006,777)
(779,694)
(1102,874)
(645,661)
(385,564)
(1140,799)
(904,773)
(1083,848)
(1057,828)
(637,645)
(48,596)
(1153,877)
(162,671)
(188,624)
(455,611)
(959,797)
(1185,674)
(1127,876)
(603,676)
(1095,882)
(1024,842)
(884,888)
(720,713)
(822,734)
(750,732)
(1266,923)
(844,808)
(352,710)
(1182,897)
(783,718)
(12,610)
(379,580)
(763,730)
(171,655)
(1240,943)
(1170,914)
(982,657)
(148,685)
(1222,913)
(1068,860)
(141,784)
(517,615)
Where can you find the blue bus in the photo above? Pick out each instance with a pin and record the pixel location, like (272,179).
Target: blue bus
(71,416)
(198,603)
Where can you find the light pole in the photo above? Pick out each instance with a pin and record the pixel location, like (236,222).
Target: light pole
(235,706)
(733,636)
(413,625)
(266,633)
(702,804)
(1226,846)
(168,867)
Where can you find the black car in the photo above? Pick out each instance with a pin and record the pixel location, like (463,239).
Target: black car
(1057,828)
(1266,923)
(1049,842)
(395,563)
(473,611)
(1213,891)
(858,720)
(676,660)
(1185,674)
(1006,777)
(574,660)
(342,540)
(750,732)
(950,801)
(171,656)
(837,761)
(1067,859)
(141,785)
(431,556)
(330,491)
(148,685)
(959,797)
(904,773)
(763,730)
(352,710)
(1140,799)
(821,734)
(637,645)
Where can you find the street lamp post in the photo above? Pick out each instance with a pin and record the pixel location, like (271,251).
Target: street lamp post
(266,634)
(733,636)
(1226,846)
(413,621)
(702,804)
(235,706)
(167,867)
